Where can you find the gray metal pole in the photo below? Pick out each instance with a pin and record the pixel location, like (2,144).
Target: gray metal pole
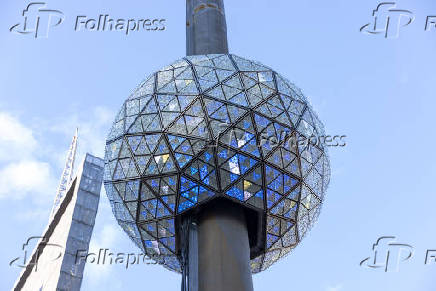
(193,257)
(218,243)
(223,249)
(206,29)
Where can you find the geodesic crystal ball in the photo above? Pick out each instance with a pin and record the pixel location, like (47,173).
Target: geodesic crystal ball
(212,126)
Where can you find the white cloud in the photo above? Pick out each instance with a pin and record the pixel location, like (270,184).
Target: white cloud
(19,178)
(16,140)
(21,172)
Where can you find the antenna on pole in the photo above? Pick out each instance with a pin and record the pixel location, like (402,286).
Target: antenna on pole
(67,174)
(206,28)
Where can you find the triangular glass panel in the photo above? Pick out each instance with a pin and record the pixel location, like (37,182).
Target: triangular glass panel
(136,125)
(170,201)
(146,87)
(120,189)
(289,238)
(124,152)
(116,130)
(293,107)
(257,200)
(132,191)
(242,137)
(164,77)
(109,170)
(246,65)
(186,86)
(223,74)
(169,117)
(274,109)
(303,225)
(162,159)
(232,165)
(272,197)
(236,192)
(162,210)
(134,142)
(286,208)
(192,122)
(170,243)
(150,229)
(250,189)
(185,204)
(146,193)
(168,225)
(271,133)
(204,194)
(191,193)
(221,114)
(203,169)
(119,172)
(132,107)
(288,88)
(254,95)
(305,126)
(121,212)
(129,168)
(266,78)
(148,209)
(183,73)
(314,213)
(201,60)
(285,160)
(132,207)
(223,62)
(271,239)
(163,186)
(206,77)
(113,150)
(314,181)
(217,93)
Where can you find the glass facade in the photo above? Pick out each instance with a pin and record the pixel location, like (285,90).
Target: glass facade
(215,126)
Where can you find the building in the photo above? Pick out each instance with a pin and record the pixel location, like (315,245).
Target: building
(52,265)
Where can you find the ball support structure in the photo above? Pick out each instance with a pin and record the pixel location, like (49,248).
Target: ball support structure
(205,168)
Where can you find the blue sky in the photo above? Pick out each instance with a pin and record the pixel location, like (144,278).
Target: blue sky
(379,92)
